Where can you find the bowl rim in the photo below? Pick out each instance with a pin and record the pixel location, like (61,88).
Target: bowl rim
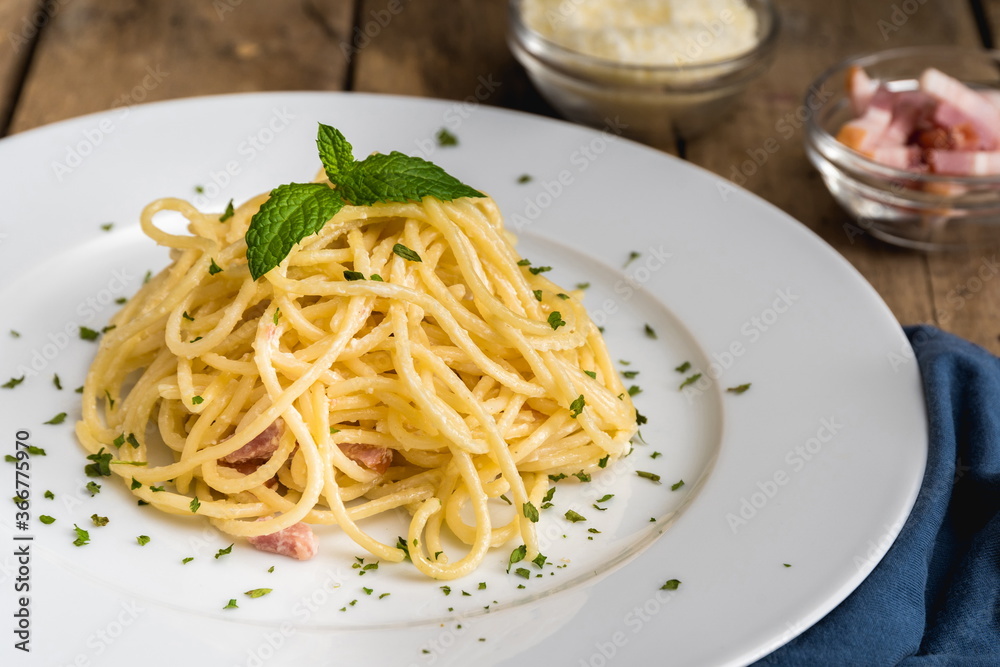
(518,28)
(841,155)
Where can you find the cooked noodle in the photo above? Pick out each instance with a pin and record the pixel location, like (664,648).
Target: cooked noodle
(451,362)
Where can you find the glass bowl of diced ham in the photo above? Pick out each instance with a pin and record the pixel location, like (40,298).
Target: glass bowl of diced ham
(908,142)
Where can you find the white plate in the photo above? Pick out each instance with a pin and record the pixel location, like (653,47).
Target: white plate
(817,465)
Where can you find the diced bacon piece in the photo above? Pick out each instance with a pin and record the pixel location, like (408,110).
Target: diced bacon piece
(979,110)
(909,109)
(261,446)
(965,163)
(898,157)
(860,88)
(967,134)
(863,134)
(296,541)
(373,457)
(992,96)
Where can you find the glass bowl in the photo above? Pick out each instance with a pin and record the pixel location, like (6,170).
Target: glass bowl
(907,208)
(652,103)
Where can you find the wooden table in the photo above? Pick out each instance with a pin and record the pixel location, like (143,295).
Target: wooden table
(63,58)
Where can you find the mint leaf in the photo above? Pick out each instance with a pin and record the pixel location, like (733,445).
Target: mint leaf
(335,152)
(292,212)
(399,178)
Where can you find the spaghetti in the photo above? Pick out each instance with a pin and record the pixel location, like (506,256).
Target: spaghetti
(402,357)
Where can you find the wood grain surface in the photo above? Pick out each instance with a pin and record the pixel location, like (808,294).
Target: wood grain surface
(63,58)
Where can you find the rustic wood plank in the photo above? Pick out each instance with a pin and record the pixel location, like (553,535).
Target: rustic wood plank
(20,23)
(815,36)
(454,51)
(96,54)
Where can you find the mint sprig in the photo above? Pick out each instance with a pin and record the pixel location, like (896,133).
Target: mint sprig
(297,210)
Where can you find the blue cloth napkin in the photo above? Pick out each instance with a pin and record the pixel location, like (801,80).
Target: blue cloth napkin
(935,597)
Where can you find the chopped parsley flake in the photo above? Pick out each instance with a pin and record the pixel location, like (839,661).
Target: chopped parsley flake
(684,368)
(592,374)
(535,270)
(446,589)
(15,334)
(787,564)
(517,555)
(582,476)
(353,275)
(603,462)
(50,495)
(142,540)
(46,519)
(197,400)
(36,451)
(156,489)
(214,268)
(524,178)
(101,466)
(524,262)
(538,294)
(634,390)
(556,320)
(146,278)
(121,300)
(650,332)
(232,604)
(406,253)
(228,213)
(689,381)
(132,441)
(58,419)
(629,375)
(655,455)
(13,382)
(676,485)
(583,285)
(224,552)
(82,536)
(87,333)
(574,517)
(606,497)
(563,296)
(738,390)
(648,475)
(632,256)
(556,478)
(530,512)
(107,226)
(576,407)
(548,495)
(57,382)
(446,138)
(258,592)
(671,585)
(99,520)
(277,315)
(187,560)
(187,317)
(136,484)
(194,504)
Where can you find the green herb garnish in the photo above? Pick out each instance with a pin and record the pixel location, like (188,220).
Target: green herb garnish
(88,334)
(406,253)
(691,380)
(82,536)
(556,320)
(224,552)
(297,210)
(228,213)
(58,419)
(576,407)
(650,332)
(574,517)
(446,138)
(13,382)
(257,592)
(671,585)
(648,475)
(738,390)
(530,512)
